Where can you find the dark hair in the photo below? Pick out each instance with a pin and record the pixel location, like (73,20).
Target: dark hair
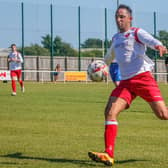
(13,45)
(122,6)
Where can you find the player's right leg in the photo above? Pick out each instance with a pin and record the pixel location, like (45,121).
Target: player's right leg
(13,78)
(114,107)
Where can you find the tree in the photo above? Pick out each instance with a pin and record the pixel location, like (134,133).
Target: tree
(163,36)
(46,41)
(94,43)
(35,49)
(57,45)
(60,48)
(92,53)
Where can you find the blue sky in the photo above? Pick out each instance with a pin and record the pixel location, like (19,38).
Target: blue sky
(139,5)
(37,21)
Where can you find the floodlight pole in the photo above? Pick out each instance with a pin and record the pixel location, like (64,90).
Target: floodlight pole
(22,10)
(79,42)
(105,30)
(51,45)
(118,3)
(155,70)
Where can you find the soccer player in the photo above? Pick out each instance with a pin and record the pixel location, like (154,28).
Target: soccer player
(115,73)
(129,46)
(15,61)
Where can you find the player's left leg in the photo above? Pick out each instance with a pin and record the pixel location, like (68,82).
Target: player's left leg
(19,76)
(149,90)
(160,109)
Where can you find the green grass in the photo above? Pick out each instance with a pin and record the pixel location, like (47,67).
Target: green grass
(55,125)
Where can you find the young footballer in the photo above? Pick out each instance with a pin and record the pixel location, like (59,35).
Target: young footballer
(129,46)
(15,61)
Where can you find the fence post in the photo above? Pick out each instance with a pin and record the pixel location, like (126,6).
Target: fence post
(154,16)
(22,11)
(79,40)
(38,67)
(65,63)
(51,49)
(105,30)
(118,3)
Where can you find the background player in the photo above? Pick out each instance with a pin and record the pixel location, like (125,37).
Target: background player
(15,61)
(115,73)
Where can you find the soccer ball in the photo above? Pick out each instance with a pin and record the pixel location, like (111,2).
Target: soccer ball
(97,71)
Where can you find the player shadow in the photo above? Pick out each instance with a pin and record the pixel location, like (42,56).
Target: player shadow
(19,155)
(129,161)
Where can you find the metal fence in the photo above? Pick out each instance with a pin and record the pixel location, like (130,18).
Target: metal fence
(37,68)
(26,23)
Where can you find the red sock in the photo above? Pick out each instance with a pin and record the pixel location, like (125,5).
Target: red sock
(21,83)
(110,136)
(14,85)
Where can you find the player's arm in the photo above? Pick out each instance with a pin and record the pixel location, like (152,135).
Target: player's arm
(10,59)
(151,42)
(19,58)
(109,57)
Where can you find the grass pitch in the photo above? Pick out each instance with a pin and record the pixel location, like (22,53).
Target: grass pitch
(55,125)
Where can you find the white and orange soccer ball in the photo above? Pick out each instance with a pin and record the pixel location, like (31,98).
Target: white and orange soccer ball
(97,71)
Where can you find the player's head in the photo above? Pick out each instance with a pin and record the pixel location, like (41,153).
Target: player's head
(123,17)
(58,66)
(13,47)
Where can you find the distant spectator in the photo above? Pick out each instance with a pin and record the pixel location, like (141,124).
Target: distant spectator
(57,71)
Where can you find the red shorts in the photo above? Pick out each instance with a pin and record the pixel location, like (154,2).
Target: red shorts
(17,73)
(143,85)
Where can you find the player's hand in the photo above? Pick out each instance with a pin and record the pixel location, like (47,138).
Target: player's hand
(162,50)
(17,60)
(14,59)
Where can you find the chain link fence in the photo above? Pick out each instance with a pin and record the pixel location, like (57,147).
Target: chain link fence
(26,24)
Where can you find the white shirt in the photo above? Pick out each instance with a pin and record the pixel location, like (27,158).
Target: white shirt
(15,65)
(129,49)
